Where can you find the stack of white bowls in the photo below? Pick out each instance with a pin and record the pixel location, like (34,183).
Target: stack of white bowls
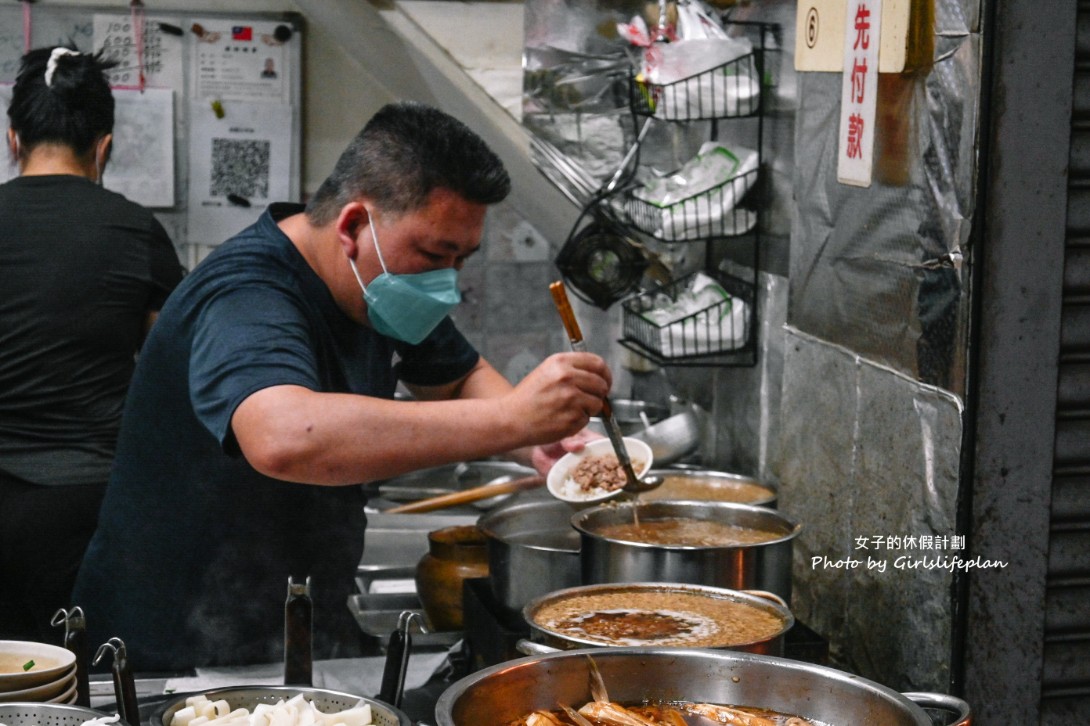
(36,672)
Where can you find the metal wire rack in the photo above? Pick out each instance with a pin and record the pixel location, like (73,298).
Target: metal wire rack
(683,324)
(730,90)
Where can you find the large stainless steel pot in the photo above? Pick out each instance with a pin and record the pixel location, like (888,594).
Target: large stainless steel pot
(532,550)
(511,690)
(763,566)
(542,633)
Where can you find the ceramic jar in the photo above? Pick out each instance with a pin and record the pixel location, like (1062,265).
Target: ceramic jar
(455,554)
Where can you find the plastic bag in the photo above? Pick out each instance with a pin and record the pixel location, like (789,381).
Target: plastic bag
(701,78)
(703,319)
(702,193)
(696,22)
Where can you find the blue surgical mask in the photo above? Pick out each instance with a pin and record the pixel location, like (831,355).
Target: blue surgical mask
(408,307)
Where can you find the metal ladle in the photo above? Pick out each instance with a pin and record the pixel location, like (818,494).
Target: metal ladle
(634,484)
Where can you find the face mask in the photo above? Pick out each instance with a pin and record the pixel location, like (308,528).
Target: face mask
(408,307)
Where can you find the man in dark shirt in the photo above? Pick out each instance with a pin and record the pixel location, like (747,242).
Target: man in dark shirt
(266,392)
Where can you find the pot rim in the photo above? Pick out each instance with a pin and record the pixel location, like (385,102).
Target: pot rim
(487,522)
(793,527)
(784,613)
(444,707)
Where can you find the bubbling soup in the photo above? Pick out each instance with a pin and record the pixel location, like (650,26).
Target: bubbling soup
(659,618)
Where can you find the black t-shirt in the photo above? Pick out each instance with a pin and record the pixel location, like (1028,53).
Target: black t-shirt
(80,268)
(191,559)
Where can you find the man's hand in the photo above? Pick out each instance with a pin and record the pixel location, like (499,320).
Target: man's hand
(542,458)
(559,396)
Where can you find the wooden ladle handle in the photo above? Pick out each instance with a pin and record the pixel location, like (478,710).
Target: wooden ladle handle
(468,495)
(567,315)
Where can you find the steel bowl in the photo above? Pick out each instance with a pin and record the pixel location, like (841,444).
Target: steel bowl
(509,691)
(673,438)
(382,714)
(761,566)
(545,634)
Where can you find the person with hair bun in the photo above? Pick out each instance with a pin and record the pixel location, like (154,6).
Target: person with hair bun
(83,272)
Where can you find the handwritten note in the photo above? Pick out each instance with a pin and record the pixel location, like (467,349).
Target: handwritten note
(163,64)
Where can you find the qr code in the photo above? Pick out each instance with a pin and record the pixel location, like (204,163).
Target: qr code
(240,167)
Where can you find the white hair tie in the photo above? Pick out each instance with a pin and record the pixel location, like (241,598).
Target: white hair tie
(51,66)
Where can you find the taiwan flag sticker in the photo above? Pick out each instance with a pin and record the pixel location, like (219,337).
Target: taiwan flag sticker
(242,32)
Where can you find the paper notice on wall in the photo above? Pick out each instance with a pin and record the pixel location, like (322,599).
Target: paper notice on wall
(115,36)
(141,162)
(238,164)
(241,60)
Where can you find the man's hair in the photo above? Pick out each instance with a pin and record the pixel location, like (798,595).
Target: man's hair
(75,108)
(406,151)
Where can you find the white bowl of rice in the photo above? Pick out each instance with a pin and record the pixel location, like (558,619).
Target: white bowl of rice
(594,473)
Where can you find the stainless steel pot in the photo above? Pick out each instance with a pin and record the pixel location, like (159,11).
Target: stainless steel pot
(763,566)
(511,690)
(532,550)
(709,485)
(541,632)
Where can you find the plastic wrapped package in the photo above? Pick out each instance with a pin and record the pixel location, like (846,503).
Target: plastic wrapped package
(698,200)
(703,318)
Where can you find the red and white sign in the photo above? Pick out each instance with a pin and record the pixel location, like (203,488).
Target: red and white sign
(859,92)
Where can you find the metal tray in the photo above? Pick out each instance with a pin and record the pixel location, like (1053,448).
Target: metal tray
(377,615)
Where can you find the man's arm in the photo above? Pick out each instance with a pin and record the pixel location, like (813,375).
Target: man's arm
(484,381)
(295,434)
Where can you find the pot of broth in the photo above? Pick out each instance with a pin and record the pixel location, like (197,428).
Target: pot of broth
(722,544)
(704,485)
(659,614)
(700,685)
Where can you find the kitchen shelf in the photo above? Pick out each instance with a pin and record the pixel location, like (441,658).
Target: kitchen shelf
(720,332)
(610,257)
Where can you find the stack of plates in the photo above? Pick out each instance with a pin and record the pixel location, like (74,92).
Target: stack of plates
(36,672)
